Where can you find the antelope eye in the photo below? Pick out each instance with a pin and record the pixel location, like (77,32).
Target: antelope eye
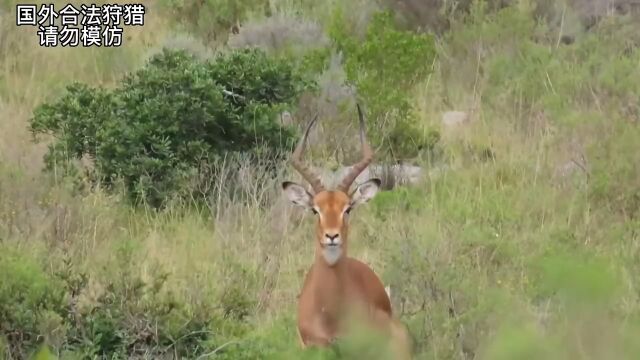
(348,210)
(314,211)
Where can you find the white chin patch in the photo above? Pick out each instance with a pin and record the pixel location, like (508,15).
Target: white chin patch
(332,254)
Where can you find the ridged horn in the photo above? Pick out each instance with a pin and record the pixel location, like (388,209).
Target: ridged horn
(367,157)
(296,161)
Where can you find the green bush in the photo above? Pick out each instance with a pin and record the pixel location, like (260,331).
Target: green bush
(28,297)
(384,67)
(166,120)
(133,316)
(130,317)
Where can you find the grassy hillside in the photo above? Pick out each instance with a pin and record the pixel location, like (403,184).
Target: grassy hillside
(526,246)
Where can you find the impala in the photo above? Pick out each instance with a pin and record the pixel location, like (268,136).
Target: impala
(338,286)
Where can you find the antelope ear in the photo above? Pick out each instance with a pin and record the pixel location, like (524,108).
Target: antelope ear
(365,191)
(297,194)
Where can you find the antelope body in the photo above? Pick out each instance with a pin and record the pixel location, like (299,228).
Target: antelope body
(338,287)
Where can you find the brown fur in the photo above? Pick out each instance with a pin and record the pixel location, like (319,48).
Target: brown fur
(338,288)
(331,293)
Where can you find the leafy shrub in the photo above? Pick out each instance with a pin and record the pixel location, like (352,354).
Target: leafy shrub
(134,316)
(384,67)
(164,121)
(27,297)
(129,317)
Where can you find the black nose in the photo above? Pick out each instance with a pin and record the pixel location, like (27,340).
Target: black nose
(331,237)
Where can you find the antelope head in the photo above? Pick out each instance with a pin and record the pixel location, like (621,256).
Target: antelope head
(332,207)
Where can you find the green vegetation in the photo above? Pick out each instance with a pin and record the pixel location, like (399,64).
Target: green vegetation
(170,118)
(147,221)
(384,67)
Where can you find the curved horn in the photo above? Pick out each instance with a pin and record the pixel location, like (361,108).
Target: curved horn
(367,157)
(296,161)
